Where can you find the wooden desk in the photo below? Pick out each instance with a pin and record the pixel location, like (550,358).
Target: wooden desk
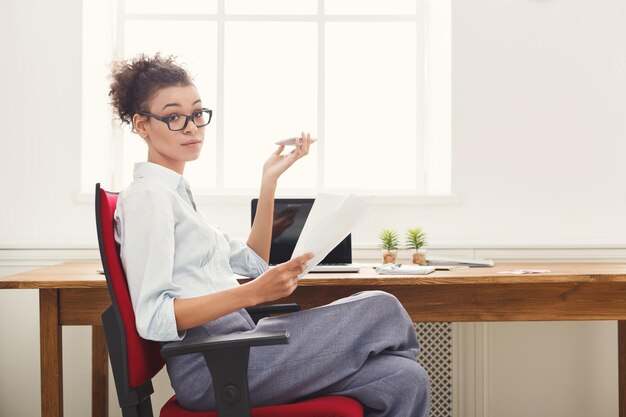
(74,294)
(70,294)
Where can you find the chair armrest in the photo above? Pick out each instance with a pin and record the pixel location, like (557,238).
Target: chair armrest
(227,358)
(224,342)
(258,312)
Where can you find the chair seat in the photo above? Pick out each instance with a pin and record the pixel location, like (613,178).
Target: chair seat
(329,406)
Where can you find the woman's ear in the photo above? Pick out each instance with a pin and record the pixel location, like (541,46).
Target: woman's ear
(139,125)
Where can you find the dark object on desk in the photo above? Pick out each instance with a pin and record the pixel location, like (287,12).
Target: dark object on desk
(290,215)
(135,361)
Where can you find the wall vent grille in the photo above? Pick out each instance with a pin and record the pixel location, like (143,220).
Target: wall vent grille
(436,357)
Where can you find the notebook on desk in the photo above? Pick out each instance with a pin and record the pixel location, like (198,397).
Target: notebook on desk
(290,214)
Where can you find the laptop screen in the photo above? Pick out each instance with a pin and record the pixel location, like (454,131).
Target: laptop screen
(290,214)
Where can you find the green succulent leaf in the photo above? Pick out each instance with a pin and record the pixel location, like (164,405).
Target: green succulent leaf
(415,238)
(389,239)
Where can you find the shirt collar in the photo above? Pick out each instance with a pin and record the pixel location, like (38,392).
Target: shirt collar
(170,178)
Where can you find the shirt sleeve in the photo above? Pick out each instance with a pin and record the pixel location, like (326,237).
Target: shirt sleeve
(244,261)
(146,227)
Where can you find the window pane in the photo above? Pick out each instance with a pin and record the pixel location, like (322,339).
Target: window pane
(168,6)
(96,114)
(370,7)
(270,93)
(371,106)
(271,7)
(178,38)
(439,94)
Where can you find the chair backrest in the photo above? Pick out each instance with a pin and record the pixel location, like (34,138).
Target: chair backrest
(141,359)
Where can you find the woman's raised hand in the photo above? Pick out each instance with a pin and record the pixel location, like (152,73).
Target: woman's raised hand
(277,163)
(281,280)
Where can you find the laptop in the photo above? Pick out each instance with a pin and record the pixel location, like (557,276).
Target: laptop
(290,214)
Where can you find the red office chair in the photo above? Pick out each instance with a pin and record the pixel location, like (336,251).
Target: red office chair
(135,361)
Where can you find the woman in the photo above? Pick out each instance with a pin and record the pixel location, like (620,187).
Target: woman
(180,271)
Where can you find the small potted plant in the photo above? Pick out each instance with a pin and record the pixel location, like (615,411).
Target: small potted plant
(415,239)
(389,244)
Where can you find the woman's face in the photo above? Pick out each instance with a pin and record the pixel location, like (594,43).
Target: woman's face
(172,149)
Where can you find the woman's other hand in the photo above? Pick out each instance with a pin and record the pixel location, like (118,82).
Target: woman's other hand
(281,280)
(277,163)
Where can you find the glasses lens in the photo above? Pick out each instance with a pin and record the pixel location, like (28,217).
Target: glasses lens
(202,118)
(176,122)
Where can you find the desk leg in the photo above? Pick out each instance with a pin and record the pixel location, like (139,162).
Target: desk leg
(621,353)
(99,373)
(51,354)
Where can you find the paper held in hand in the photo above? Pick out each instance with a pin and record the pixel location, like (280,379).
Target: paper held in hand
(332,218)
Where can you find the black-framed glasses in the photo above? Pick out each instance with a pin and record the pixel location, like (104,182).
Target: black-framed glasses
(178,122)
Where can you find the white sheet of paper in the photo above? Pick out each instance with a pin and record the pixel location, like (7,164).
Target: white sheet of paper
(331,219)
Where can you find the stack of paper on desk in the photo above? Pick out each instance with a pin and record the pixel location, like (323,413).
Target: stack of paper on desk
(391,269)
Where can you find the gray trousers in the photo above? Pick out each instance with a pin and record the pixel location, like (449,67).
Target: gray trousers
(363,346)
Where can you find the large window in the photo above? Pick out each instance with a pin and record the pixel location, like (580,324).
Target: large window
(370,80)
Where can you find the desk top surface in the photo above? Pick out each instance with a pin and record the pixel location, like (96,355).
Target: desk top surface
(85,274)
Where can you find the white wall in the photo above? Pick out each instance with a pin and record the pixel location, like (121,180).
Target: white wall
(539,105)
(539,97)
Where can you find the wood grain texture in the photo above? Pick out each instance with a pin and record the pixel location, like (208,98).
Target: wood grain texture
(99,373)
(51,355)
(559,273)
(621,357)
(490,302)
(82,274)
(80,306)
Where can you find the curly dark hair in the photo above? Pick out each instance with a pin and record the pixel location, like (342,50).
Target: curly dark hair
(135,81)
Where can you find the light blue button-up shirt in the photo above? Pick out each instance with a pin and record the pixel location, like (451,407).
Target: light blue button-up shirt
(170,251)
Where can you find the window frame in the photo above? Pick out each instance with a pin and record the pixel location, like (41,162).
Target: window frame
(423,19)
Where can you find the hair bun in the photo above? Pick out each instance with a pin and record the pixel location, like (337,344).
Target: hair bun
(135,81)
